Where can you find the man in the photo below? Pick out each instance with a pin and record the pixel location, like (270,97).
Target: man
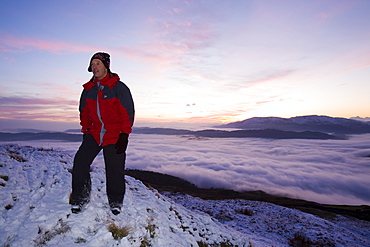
(106,115)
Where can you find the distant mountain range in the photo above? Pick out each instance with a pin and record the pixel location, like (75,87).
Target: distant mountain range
(303,127)
(210,133)
(32,136)
(315,123)
(261,133)
(366,119)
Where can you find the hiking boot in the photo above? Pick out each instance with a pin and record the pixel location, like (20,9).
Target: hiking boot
(116,210)
(76,208)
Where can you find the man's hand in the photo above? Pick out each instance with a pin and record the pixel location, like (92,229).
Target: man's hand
(121,144)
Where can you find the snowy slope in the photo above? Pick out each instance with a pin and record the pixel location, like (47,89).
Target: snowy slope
(267,224)
(34,192)
(37,189)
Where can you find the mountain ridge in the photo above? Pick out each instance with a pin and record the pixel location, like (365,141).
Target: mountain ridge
(317,123)
(301,127)
(208,133)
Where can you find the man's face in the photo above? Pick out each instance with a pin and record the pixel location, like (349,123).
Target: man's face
(98,69)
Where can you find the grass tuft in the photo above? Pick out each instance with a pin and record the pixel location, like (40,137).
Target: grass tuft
(145,243)
(45,149)
(222,244)
(151,228)
(119,232)
(80,240)
(244,211)
(17,157)
(300,240)
(45,236)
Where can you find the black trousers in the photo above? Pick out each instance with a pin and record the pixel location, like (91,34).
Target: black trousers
(114,171)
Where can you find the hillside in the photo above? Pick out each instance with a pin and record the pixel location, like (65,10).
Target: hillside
(35,187)
(324,124)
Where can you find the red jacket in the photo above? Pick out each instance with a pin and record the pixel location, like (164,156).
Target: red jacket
(106,109)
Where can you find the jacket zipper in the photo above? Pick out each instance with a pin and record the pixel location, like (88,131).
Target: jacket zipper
(103,130)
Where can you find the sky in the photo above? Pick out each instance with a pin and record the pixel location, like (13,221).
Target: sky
(186,62)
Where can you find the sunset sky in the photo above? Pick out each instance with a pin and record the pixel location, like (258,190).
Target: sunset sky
(187,61)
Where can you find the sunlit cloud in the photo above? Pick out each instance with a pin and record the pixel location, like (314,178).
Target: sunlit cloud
(33,101)
(171,43)
(154,53)
(17,44)
(333,10)
(177,10)
(56,109)
(268,76)
(182,32)
(9,59)
(222,116)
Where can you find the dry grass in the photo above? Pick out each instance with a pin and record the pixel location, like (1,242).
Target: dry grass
(45,236)
(17,157)
(300,240)
(119,232)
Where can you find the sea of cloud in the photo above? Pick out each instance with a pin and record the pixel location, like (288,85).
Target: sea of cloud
(325,171)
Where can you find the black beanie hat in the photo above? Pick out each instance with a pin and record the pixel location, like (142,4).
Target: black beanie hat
(102,56)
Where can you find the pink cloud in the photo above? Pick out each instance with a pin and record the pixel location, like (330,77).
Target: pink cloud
(9,43)
(10,60)
(33,101)
(38,109)
(333,10)
(177,10)
(171,42)
(47,115)
(194,33)
(156,54)
(271,76)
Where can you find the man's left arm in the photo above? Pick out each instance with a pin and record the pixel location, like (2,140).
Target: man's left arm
(127,109)
(127,112)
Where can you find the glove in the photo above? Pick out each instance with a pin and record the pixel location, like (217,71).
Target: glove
(121,144)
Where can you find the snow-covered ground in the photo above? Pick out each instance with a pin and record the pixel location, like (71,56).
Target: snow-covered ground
(35,185)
